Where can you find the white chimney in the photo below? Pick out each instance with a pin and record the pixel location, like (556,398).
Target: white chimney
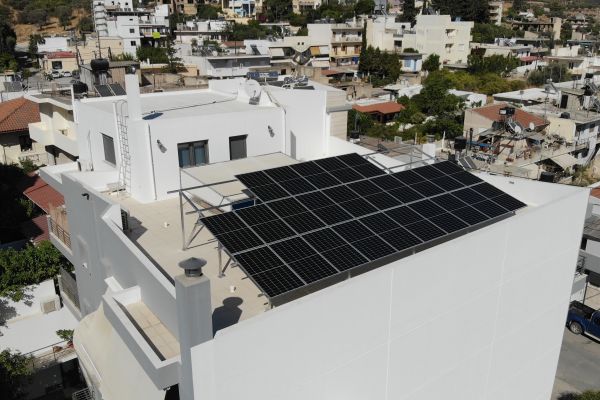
(134,102)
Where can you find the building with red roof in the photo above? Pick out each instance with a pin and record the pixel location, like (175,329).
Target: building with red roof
(15,116)
(382,112)
(483,118)
(59,61)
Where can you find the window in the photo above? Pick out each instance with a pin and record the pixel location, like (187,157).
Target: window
(56,64)
(132,43)
(109,149)
(193,153)
(237,147)
(131,30)
(25,142)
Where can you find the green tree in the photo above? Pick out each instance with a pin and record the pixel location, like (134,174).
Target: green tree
(364,7)
(32,265)
(14,369)
(467,10)
(208,11)
(434,99)
(478,64)
(486,33)
(409,12)
(518,5)
(174,63)
(86,24)
(566,31)
(302,31)
(34,40)
(277,9)
(431,63)
(556,72)
(64,16)
(65,334)
(156,55)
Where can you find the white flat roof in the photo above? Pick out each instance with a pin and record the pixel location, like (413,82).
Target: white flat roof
(180,104)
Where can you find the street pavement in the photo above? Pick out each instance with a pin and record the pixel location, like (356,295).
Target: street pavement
(578,366)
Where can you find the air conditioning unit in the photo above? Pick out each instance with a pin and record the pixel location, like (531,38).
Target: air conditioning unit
(50,305)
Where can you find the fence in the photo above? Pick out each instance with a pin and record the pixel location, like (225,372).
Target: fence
(46,356)
(59,225)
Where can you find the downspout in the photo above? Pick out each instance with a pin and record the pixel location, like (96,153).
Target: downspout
(278,104)
(152,161)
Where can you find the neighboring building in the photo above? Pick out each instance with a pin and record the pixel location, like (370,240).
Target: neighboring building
(382,112)
(300,6)
(411,62)
(471,99)
(115,74)
(243,8)
(345,41)
(59,61)
(483,118)
(53,44)
(227,65)
(201,31)
(438,34)
(358,334)
(495,12)
(539,28)
(385,33)
(17,145)
(55,129)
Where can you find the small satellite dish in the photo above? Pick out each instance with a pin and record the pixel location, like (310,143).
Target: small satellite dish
(531,126)
(253,90)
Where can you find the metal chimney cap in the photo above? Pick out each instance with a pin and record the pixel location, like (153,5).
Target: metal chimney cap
(192,266)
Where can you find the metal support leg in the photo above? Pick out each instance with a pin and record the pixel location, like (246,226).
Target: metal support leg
(220,250)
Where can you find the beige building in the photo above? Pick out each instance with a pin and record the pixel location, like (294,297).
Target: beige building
(89,49)
(59,61)
(17,145)
(298,6)
(438,34)
(345,41)
(495,11)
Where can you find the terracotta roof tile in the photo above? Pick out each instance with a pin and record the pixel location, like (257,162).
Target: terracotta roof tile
(42,194)
(389,107)
(60,54)
(492,112)
(595,192)
(17,114)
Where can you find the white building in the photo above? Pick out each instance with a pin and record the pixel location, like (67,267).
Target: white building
(201,31)
(438,34)
(385,33)
(344,40)
(495,12)
(138,28)
(484,327)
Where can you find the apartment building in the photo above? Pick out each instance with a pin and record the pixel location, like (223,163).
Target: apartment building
(201,31)
(495,12)
(345,40)
(385,33)
(536,28)
(55,129)
(438,34)
(157,194)
(300,6)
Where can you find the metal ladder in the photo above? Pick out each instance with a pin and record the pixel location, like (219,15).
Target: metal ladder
(124,157)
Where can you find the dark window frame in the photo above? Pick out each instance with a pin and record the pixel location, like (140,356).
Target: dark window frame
(108,143)
(191,146)
(25,142)
(238,137)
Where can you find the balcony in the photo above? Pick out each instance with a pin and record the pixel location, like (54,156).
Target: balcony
(63,138)
(346,39)
(59,231)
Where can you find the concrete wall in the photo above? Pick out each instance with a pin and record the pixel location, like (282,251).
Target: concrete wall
(10,150)
(479,330)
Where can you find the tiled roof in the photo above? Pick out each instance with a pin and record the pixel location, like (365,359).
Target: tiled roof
(15,115)
(42,194)
(595,192)
(60,54)
(492,112)
(36,229)
(389,107)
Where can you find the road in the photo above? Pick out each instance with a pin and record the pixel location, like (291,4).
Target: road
(578,366)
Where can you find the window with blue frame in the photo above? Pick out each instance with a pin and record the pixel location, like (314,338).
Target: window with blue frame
(193,154)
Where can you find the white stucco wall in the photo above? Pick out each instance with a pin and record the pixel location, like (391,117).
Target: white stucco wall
(463,320)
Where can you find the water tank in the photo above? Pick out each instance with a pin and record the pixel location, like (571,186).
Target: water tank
(546,176)
(99,65)
(460,143)
(565,115)
(79,87)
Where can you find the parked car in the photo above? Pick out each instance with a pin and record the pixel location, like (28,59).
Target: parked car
(56,74)
(583,319)
(67,74)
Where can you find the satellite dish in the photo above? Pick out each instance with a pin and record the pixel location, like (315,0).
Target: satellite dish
(531,126)
(253,90)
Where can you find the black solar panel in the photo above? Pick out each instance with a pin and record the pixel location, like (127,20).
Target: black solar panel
(321,218)
(117,89)
(312,268)
(307,168)
(103,90)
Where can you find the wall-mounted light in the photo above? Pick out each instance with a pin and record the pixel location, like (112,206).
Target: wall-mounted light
(271,131)
(86,195)
(160,145)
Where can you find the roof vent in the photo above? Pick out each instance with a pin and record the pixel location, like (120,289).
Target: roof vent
(193,266)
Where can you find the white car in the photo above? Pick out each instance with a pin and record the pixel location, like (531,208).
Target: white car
(56,74)
(67,74)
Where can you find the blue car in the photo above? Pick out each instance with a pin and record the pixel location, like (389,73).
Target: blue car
(583,319)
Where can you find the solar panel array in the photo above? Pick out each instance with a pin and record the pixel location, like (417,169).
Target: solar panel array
(112,89)
(324,218)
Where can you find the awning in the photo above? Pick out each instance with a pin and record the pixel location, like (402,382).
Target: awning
(276,52)
(315,51)
(565,160)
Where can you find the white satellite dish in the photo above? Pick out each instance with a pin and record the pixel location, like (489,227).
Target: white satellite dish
(531,126)
(252,88)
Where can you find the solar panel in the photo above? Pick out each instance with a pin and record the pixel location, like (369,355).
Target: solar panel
(329,217)
(117,89)
(103,90)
